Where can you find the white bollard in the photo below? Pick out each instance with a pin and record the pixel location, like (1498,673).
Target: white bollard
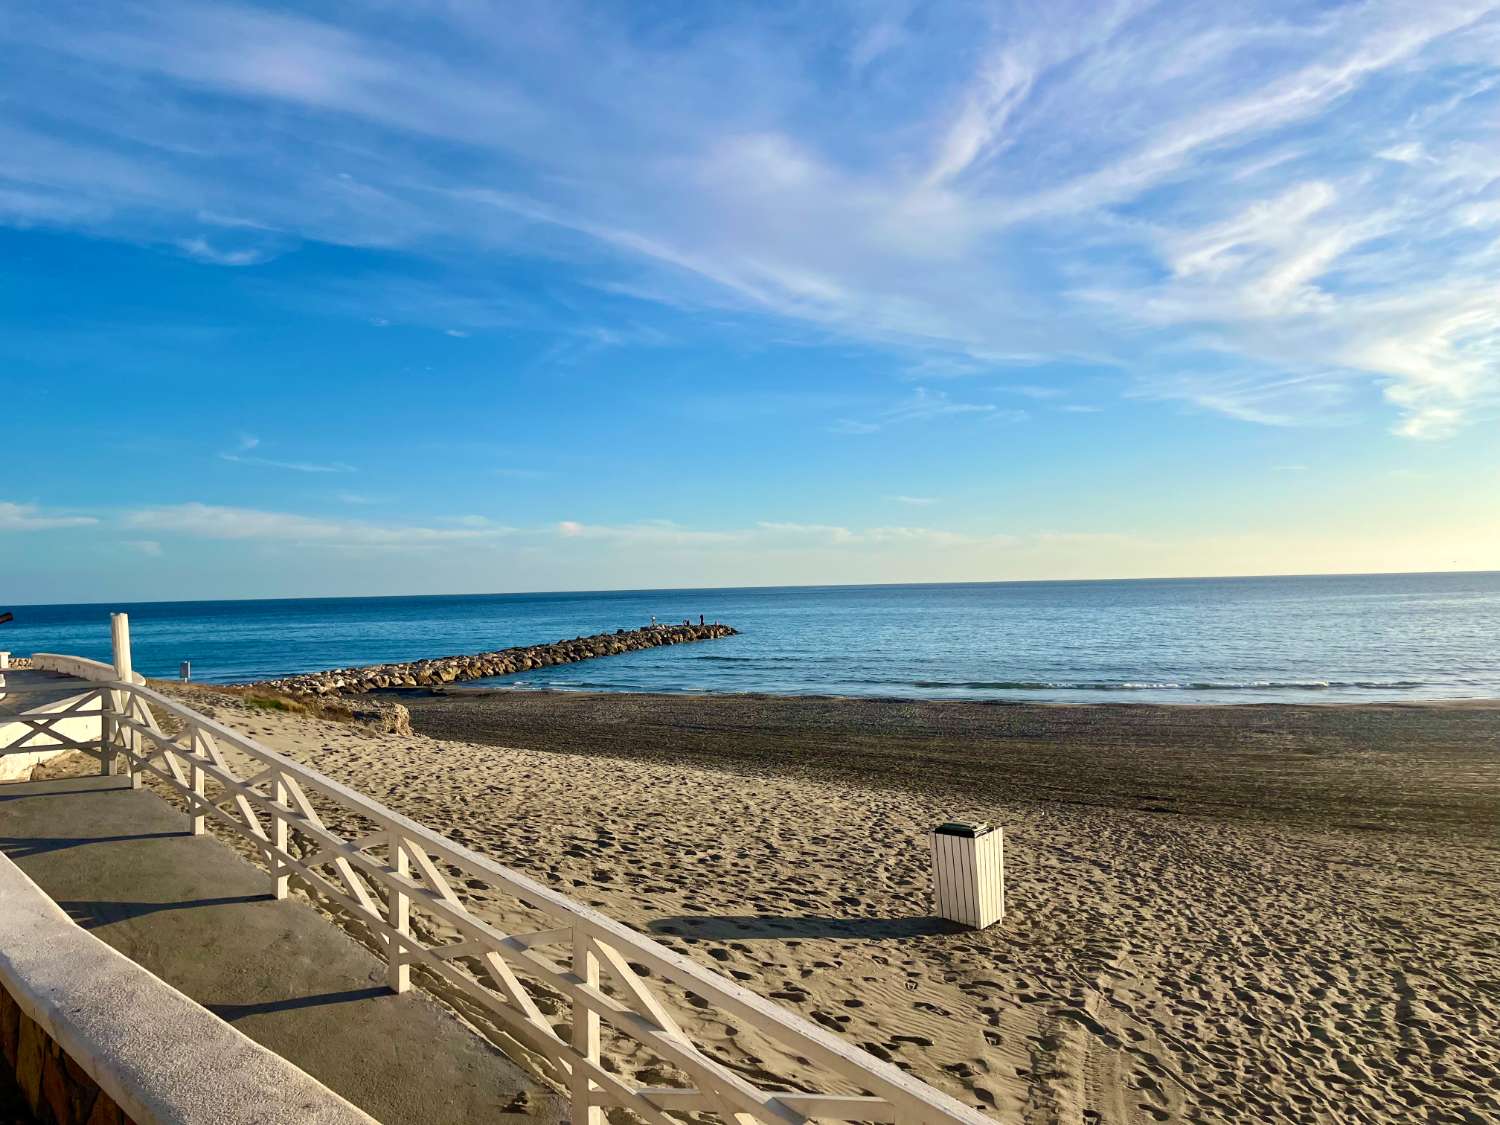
(968,873)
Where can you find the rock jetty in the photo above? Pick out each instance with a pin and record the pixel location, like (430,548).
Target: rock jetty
(504,662)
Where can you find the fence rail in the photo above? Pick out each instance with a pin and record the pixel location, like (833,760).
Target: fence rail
(44,729)
(391,866)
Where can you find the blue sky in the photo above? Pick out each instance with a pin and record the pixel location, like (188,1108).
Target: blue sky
(313,299)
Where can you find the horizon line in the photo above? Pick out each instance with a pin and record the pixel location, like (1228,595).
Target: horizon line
(776,586)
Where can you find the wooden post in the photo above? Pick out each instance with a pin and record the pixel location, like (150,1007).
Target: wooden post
(397,968)
(196,778)
(585,1032)
(107,733)
(119,627)
(281,839)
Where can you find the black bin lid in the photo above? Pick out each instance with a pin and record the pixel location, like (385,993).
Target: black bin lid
(967,828)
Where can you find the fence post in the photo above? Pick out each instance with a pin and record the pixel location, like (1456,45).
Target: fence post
(107,733)
(119,630)
(398,968)
(196,777)
(280,839)
(585,1032)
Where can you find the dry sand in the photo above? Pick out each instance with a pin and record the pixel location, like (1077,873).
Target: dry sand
(1254,914)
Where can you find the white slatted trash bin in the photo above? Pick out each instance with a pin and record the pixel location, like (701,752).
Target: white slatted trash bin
(968,873)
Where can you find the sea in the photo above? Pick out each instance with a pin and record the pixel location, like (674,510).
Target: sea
(1310,639)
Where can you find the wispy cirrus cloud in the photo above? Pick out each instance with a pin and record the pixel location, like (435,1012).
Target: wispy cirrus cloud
(924,405)
(777,534)
(835,535)
(657,532)
(213,521)
(30,517)
(243,455)
(1236,207)
(202,250)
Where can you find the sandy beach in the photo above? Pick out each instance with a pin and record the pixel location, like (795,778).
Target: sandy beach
(1258,913)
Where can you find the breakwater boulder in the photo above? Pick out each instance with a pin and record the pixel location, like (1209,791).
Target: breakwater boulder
(503,662)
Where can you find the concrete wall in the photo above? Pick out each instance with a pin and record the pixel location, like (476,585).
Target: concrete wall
(79,666)
(94,1039)
(54,1086)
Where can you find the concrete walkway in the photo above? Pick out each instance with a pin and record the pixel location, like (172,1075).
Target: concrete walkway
(196,915)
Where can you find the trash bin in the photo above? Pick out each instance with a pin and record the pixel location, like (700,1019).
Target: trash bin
(968,873)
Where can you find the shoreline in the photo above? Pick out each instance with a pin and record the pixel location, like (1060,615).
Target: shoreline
(1412,767)
(1477,701)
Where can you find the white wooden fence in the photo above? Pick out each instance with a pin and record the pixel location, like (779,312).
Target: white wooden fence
(52,730)
(390,866)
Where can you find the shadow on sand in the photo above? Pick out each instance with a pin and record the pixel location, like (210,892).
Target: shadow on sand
(751,927)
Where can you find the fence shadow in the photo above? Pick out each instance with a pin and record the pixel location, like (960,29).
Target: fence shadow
(231,1012)
(752,927)
(23,847)
(91,914)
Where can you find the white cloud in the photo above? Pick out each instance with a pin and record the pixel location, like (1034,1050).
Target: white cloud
(210,521)
(28,517)
(242,456)
(924,405)
(1097,181)
(917,501)
(200,250)
(775,535)
(657,532)
(148,547)
(293,466)
(1257,397)
(769,533)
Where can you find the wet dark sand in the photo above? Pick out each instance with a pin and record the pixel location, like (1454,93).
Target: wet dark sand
(1430,768)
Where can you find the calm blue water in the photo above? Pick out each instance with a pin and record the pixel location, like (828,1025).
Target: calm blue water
(1434,636)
